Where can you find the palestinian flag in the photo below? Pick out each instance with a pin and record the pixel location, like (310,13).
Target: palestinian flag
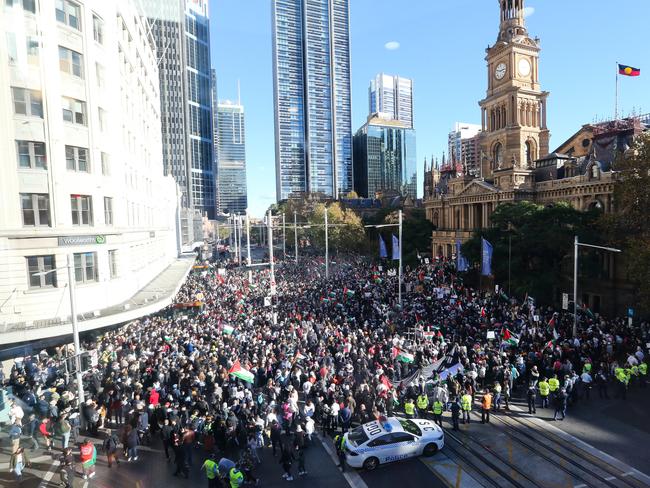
(551,323)
(394,352)
(241,373)
(348,292)
(628,70)
(429,335)
(228,330)
(510,338)
(298,356)
(386,382)
(405,357)
(332,294)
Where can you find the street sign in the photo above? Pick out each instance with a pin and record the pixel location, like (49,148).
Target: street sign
(565,301)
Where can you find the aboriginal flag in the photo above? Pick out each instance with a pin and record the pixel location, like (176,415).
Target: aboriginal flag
(628,70)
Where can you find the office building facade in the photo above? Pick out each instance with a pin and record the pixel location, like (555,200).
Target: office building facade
(181,32)
(82,172)
(385,158)
(392,96)
(464,147)
(231,157)
(311,74)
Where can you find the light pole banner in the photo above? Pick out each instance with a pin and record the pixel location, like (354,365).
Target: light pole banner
(461,262)
(383,253)
(395,248)
(486,258)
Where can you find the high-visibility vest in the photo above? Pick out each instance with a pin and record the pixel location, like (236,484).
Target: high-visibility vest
(423,402)
(643,368)
(487,401)
(543,388)
(437,407)
(635,370)
(466,402)
(409,408)
(620,374)
(553,384)
(236,478)
(497,388)
(211,469)
(587,367)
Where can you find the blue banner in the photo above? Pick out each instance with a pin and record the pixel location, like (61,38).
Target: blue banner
(461,262)
(395,248)
(383,253)
(486,258)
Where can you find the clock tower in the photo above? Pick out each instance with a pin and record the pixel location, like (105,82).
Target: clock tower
(513,114)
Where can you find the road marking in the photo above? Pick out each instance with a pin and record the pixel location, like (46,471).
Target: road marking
(352,477)
(581,485)
(639,475)
(48,476)
(629,473)
(610,478)
(459,476)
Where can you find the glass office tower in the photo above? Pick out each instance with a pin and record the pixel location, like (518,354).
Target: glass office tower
(231,157)
(311,74)
(385,158)
(180,29)
(392,96)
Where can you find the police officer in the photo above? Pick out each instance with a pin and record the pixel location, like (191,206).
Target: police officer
(553,386)
(621,378)
(466,405)
(236,477)
(437,412)
(531,396)
(455,413)
(409,408)
(486,404)
(211,471)
(544,390)
(422,403)
(339,445)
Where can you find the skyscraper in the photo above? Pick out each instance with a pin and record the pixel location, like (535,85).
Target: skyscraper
(311,75)
(231,157)
(181,32)
(393,97)
(464,147)
(384,158)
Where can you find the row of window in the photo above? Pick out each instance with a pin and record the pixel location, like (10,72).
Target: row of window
(32,155)
(30,103)
(36,210)
(41,270)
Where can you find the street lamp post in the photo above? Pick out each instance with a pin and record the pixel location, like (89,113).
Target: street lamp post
(327,253)
(241,229)
(272,265)
(295,233)
(284,238)
(576,244)
(75,329)
(248,248)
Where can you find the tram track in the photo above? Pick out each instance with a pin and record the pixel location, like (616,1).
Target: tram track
(612,473)
(490,464)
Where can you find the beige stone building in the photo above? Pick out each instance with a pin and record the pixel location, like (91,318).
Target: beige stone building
(514,143)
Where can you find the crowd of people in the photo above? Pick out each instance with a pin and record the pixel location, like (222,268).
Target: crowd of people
(226,372)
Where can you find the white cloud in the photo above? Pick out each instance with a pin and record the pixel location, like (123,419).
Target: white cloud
(392,45)
(528,11)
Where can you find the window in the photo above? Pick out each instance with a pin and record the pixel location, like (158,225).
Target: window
(85,267)
(41,271)
(27,5)
(27,102)
(100,73)
(401,437)
(106,165)
(68,13)
(82,209)
(74,111)
(103,124)
(98,29)
(31,154)
(36,209)
(76,159)
(112,263)
(32,50)
(498,155)
(108,210)
(384,440)
(71,62)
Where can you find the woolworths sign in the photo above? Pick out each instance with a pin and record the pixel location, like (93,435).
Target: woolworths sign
(81,240)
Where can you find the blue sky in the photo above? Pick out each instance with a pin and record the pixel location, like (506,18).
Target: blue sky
(441,45)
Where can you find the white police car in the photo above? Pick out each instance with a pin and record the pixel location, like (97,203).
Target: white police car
(391,439)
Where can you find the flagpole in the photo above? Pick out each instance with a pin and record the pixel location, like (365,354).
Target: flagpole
(399,284)
(327,253)
(295,233)
(248,248)
(272,265)
(616,101)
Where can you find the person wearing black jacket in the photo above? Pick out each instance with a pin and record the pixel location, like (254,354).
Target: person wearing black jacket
(560,404)
(166,434)
(286,460)
(455,413)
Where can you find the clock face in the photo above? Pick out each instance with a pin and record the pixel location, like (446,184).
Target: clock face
(500,72)
(524,67)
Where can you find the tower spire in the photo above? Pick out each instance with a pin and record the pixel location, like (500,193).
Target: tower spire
(513,22)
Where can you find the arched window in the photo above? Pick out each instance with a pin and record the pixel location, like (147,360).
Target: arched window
(530,153)
(498,155)
(594,171)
